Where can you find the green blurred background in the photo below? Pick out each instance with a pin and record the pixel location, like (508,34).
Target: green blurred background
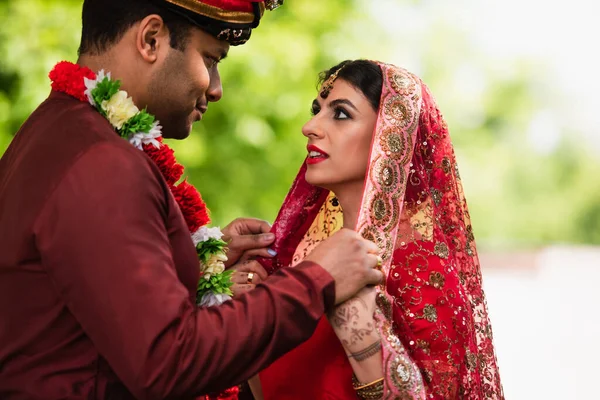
(526,139)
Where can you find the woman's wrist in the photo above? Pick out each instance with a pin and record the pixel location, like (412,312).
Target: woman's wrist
(367,352)
(368,369)
(372,390)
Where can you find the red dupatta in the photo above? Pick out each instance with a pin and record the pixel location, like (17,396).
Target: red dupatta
(431,314)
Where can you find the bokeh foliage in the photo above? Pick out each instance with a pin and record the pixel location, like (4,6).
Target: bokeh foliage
(245,153)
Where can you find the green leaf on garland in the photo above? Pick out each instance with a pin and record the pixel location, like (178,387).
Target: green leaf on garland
(208,248)
(141,122)
(104,90)
(218,284)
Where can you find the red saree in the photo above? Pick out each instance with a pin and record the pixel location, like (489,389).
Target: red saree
(431,314)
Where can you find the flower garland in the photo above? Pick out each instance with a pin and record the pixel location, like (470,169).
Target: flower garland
(143,131)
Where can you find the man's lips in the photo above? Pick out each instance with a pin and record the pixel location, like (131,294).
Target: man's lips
(315,155)
(200,112)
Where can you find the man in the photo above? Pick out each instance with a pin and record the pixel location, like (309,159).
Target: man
(97,268)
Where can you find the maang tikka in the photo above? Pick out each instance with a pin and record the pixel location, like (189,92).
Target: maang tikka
(273,4)
(328,84)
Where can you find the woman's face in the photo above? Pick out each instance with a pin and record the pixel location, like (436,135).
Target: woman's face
(339,138)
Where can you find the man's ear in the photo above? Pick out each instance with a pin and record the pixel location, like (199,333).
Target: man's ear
(152,37)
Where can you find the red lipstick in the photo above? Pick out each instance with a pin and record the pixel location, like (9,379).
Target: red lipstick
(315,155)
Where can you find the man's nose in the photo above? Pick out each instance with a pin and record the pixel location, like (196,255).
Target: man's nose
(215,88)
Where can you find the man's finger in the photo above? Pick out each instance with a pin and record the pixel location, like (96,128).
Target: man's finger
(374,277)
(256,225)
(372,248)
(375,261)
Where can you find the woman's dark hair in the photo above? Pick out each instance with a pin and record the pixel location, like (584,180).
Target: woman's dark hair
(104,22)
(364,75)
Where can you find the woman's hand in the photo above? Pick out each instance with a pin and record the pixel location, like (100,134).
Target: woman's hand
(353,321)
(247,274)
(354,324)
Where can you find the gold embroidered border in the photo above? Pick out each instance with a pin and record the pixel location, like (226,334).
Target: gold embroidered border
(380,213)
(234,17)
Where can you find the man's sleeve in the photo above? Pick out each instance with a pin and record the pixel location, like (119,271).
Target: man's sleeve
(104,243)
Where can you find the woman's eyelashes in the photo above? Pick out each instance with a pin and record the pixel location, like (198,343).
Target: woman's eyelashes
(340,113)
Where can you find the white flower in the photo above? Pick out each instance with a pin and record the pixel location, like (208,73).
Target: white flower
(140,138)
(214,266)
(204,233)
(119,109)
(211,299)
(91,84)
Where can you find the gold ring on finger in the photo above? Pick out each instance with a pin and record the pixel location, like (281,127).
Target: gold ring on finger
(250,277)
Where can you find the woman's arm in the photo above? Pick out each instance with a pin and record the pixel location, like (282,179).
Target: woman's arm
(256,387)
(355,326)
(380,366)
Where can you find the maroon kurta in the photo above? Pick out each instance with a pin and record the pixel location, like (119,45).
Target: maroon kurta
(98,275)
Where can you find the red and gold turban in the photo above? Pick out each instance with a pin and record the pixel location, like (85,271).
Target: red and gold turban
(230,20)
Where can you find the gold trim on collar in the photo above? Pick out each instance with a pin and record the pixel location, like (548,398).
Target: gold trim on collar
(234,17)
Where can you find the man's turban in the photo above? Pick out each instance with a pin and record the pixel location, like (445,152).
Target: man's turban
(230,20)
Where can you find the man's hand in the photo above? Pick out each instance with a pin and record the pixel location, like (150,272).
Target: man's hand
(247,238)
(242,280)
(351,261)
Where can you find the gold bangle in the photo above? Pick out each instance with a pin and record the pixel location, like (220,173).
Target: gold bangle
(370,395)
(368,391)
(366,385)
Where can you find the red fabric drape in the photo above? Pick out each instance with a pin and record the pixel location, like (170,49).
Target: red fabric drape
(415,209)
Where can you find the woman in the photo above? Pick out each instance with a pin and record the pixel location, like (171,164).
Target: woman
(379,149)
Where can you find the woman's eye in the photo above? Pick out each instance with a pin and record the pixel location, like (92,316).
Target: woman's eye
(340,113)
(314,111)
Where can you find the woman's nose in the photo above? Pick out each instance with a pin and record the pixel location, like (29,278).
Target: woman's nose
(312,128)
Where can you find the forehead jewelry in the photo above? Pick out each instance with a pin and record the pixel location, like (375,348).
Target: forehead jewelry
(328,84)
(273,4)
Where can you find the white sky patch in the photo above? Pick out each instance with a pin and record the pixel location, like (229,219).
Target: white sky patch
(544,132)
(563,37)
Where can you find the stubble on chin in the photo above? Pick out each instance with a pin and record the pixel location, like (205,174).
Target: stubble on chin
(178,131)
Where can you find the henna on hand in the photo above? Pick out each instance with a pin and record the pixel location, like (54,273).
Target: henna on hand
(348,324)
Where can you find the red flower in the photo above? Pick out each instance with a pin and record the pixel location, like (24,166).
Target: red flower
(67,77)
(229,394)
(191,204)
(164,158)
